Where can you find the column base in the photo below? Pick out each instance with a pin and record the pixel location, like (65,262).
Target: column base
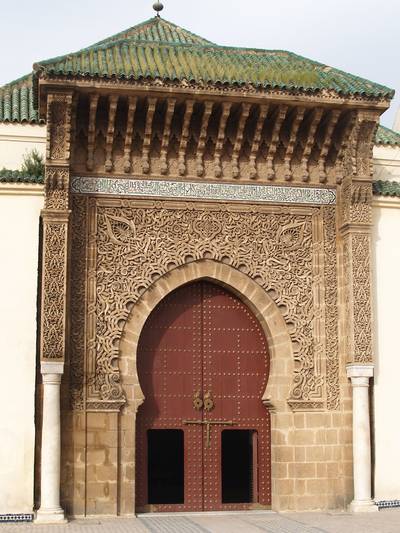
(50,516)
(363,506)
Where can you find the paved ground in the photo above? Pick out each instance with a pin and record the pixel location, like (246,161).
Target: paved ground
(386,521)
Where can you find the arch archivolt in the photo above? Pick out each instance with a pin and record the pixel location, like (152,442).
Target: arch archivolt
(254,296)
(273,258)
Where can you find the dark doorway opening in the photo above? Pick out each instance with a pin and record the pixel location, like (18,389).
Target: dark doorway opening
(239,466)
(165,466)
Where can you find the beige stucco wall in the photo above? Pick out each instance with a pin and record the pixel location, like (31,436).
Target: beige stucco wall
(16,140)
(387,163)
(19,240)
(386,252)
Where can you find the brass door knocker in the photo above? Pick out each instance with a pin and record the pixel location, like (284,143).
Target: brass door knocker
(208,402)
(197,401)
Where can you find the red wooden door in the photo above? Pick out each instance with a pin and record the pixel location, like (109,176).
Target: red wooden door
(202,345)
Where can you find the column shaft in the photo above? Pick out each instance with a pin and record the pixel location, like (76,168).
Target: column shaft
(360,375)
(50,510)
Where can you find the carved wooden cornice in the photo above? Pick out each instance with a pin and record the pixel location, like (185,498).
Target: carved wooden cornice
(202,137)
(213,139)
(244,115)
(185,88)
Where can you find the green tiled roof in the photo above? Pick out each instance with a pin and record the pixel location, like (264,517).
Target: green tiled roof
(16,101)
(16,176)
(157,49)
(386,188)
(160,50)
(386,136)
(156,30)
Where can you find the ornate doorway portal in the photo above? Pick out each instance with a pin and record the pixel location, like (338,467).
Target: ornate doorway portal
(203,434)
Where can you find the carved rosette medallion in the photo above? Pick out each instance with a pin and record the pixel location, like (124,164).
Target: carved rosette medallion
(132,243)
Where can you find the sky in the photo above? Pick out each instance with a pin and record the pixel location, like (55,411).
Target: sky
(358,36)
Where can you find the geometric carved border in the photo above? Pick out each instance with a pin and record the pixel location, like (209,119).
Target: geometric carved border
(331,308)
(78,303)
(131,243)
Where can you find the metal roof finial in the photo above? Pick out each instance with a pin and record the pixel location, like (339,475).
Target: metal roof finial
(158,6)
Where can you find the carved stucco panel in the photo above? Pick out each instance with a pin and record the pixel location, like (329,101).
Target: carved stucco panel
(355,202)
(362,297)
(355,208)
(55,227)
(59,109)
(365,144)
(57,187)
(361,203)
(54,289)
(131,243)
(347,296)
(358,152)
(357,297)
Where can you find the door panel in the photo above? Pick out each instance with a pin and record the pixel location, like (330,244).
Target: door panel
(235,370)
(201,338)
(170,370)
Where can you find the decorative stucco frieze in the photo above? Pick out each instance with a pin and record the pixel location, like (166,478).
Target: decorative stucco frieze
(202,191)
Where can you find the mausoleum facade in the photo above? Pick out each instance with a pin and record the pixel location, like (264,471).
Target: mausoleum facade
(206,259)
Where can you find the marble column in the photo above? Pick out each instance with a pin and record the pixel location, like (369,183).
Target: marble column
(360,375)
(50,511)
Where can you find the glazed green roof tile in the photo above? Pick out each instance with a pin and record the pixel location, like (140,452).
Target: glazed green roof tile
(16,176)
(156,30)
(386,136)
(16,101)
(158,49)
(386,188)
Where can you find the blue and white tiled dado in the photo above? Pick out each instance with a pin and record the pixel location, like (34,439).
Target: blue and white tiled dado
(21,517)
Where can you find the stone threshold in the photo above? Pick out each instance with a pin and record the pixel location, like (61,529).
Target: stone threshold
(188,514)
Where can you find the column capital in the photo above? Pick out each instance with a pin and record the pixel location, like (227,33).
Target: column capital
(356,370)
(51,367)
(56,216)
